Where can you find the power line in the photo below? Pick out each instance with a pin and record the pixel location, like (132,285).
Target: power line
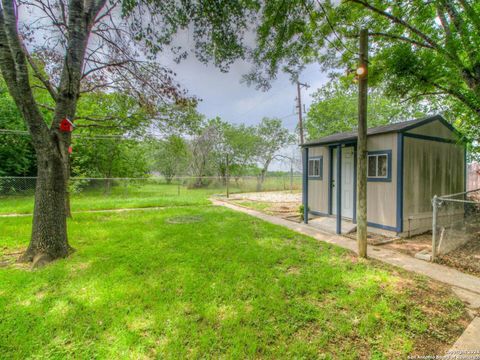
(81,136)
(258,104)
(286,116)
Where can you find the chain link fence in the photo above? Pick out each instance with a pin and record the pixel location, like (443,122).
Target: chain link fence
(456,227)
(16,193)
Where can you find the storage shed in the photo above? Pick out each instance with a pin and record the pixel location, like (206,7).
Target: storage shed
(408,163)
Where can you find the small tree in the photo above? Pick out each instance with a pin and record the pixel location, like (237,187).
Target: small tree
(171,157)
(234,146)
(202,154)
(271,137)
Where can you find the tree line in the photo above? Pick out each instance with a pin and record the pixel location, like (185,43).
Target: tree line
(190,146)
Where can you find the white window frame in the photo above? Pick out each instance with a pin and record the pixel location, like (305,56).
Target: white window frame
(311,167)
(376,155)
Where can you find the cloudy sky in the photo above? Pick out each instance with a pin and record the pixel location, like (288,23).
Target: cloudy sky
(224,95)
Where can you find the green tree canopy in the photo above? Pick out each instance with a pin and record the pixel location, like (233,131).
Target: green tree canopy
(271,138)
(170,156)
(335,109)
(419,50)
(17,156)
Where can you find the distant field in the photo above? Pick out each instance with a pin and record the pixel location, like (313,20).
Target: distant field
(142,193)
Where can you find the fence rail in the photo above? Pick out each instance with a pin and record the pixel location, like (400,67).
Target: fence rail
(456,224)
(17,193)
(22,185)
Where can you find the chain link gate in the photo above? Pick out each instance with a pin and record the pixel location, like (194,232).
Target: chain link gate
(456,224)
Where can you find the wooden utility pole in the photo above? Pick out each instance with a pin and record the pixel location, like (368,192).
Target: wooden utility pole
(362,73)
(299,106)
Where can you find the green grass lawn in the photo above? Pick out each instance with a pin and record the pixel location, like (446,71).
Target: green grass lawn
(143,285)
(139,194)
(150,195)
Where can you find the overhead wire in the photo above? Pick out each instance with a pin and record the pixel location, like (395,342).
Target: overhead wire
(89,137)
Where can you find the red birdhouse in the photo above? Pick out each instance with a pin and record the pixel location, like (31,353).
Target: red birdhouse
(66,125)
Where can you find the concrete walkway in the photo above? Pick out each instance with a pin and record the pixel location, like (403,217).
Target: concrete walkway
(466,287)
(470,339)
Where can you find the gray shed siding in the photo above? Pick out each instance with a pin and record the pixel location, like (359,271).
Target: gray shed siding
(430,168)
(432,161)
(382,196)
(318,188)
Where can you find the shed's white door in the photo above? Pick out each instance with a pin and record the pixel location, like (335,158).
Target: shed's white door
(347,181)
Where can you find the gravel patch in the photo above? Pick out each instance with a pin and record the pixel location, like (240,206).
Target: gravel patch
(270,196)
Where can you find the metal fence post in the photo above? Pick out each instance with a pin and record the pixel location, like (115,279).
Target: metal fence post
(434,227)
(227,173)
(291,178)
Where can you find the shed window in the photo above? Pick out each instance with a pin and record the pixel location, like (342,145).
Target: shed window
(379,165)
(315,168)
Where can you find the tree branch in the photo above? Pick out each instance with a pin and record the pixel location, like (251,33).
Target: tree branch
(401,38)
(104,66)
(462,31)
(449,55)
(38,74)
(416,96)
(15,71)
(398,21)
(471,13)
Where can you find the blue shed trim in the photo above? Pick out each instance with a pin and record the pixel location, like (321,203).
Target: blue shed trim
(380,226)
(389,162)
(305,185)
(319,213)
(320,177)
(429,120)
(465,168)
(399,201)
(330,179)
(432,138)
(354,217)
(435,118)
(338,187)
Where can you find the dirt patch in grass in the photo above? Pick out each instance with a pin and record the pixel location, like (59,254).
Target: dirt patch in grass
(9,257)
(278,203)
(187,219)
(466,258)
(412,245)
(372,239)
(270,196)
(443,308)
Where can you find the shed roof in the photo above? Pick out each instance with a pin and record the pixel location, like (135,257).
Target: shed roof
(390,128)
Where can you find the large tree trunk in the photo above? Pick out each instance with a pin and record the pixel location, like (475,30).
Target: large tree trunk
(49,239)
(49,232)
